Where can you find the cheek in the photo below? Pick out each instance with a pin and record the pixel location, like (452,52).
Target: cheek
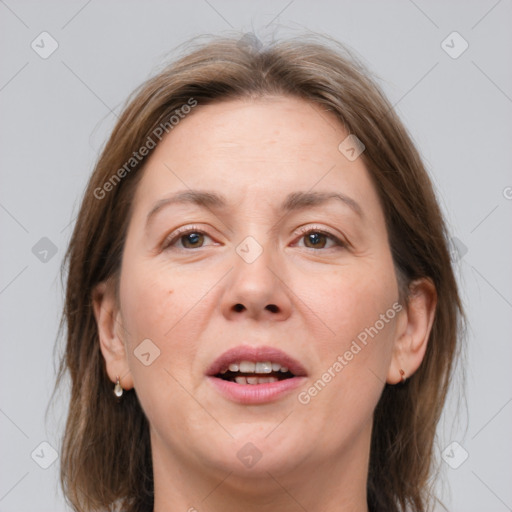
(355,305)
(352,362)
(349,300)
(169,308)
(157,301)
(161,338)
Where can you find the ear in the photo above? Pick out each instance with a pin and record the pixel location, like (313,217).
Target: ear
(110,333)
(414,324)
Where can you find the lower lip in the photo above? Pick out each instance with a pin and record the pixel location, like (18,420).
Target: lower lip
(255,393)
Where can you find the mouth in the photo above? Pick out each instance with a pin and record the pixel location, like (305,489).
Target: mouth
(259,372)
(252,375)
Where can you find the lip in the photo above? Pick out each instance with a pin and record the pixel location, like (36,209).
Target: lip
(255,393)
(248,394)
(255,354)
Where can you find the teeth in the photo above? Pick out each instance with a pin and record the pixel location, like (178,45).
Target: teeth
(255,380)
(247,367)
(259,367)
(265,367)
(265,380)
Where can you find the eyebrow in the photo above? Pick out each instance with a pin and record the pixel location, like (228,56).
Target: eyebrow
(295,201)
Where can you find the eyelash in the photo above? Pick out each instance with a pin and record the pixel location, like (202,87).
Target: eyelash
(175,236)
(306,231)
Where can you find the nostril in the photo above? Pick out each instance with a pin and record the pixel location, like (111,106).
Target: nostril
(271,307)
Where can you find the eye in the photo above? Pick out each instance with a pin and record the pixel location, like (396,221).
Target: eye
(193,238)
(190,238)
(317,239)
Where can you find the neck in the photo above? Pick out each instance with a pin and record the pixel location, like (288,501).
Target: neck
(337,484)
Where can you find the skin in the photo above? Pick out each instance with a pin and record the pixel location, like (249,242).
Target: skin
(314,455)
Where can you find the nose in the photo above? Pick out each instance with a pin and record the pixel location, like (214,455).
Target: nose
(257,290)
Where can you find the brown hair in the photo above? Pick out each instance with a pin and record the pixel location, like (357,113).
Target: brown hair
(106,453)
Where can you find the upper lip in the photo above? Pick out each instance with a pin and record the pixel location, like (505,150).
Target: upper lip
(255,354)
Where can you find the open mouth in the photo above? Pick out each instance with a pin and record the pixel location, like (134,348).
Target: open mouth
(248,372)
(252,375)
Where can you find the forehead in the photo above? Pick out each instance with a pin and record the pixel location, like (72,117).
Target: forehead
(255,150)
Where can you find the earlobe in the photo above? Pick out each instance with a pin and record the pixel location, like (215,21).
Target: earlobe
(110,335)
(413,331)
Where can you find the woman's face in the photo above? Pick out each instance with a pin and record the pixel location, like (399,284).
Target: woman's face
(275,264)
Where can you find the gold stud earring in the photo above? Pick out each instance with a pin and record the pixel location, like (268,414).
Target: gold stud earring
(118,390)
(402,376)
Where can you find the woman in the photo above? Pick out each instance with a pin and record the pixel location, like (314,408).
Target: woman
(261,310)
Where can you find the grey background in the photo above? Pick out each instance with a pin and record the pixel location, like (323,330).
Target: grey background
(57,112)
